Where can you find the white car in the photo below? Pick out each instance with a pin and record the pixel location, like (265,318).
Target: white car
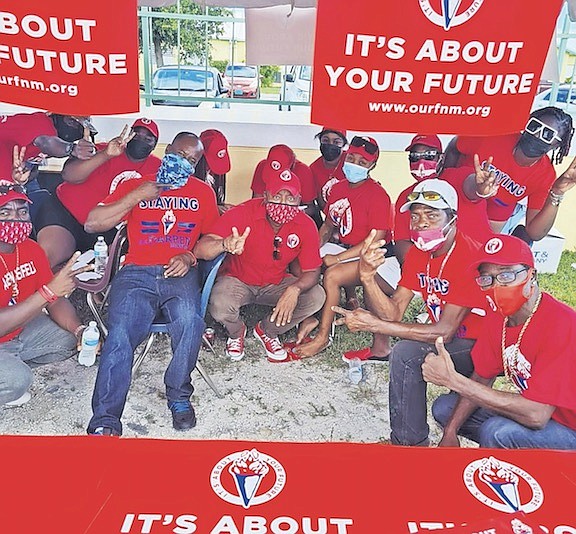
(565,98)
(298,83)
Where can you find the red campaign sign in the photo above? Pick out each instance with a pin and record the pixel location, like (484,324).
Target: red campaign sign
(468,67)
(105,485)
(74,58)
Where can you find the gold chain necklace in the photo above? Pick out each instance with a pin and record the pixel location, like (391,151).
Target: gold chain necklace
(442,265)
(509,364)
(15,289)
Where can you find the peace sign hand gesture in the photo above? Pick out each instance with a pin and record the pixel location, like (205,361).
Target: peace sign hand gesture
(234,243)
(485,178)
(20,174)
(117,145)
(566,181)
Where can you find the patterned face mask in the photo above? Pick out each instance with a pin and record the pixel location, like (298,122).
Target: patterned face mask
(174,171)
(14,232)
(281,213)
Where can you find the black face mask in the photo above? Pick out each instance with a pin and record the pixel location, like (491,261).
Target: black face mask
(532,147)
(138,149)
(329,151)
(68,131)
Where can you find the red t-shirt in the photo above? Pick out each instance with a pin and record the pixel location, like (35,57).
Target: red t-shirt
(516,182)
(80,199)
(31,272)
(169,225)
(300,169)
(326,177)
(21,129)
(354,211)
(545,370)
(472,219)
(452,284)
(256,266)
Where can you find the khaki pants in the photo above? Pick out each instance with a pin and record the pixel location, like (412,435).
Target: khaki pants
(229,294)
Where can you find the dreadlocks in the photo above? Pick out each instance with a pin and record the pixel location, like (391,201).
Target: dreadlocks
(565,130)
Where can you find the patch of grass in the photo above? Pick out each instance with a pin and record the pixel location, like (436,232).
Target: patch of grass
(562,284)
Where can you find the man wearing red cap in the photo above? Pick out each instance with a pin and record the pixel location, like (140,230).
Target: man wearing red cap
(532,342)
(282,157)
(354,207)
(214,165)
(426,161)
(28,336)
(60,221)
(327,169)
(262,238)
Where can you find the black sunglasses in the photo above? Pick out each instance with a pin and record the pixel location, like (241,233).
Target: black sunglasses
(369,146)
(5,189)
(276,252)
(429,155)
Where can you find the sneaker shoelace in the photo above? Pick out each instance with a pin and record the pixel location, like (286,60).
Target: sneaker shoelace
(180,406)
(274,343)
(235,344)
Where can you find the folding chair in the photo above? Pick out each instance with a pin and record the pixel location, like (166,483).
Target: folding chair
(159,327)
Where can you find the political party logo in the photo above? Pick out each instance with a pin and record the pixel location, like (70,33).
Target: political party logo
(145,121)
(292,241)
(221,154)
(453,12)
(503,486)
(493,246)
(275,165)
(168,221)
(341,214)
(123,177)
(286,175)
(248,478)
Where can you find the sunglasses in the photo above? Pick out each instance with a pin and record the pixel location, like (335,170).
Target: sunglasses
(542,131)
(5,189)
(427,195)
(503,278)
(276,252)
(429,155)
(369,146)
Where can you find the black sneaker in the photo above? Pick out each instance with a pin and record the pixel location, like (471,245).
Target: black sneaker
(183,416)
(104,431)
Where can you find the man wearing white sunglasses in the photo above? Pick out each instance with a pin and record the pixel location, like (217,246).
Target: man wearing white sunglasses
(517,168)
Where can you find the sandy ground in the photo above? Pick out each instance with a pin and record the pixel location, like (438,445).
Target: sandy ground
(304,401)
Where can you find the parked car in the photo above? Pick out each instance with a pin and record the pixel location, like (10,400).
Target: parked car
(186,80)
(298,81)
(565,98)
(242,81)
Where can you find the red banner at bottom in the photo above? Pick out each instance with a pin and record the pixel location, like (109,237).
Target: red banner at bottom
(135,486)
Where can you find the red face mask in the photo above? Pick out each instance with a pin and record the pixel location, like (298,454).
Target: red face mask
(281,213)
(14,232)
(424,169)
(509,299)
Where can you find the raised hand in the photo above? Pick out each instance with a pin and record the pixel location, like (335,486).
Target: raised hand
(371,255)
(117,145)
(234,243)
(566,180)
(65,281)
(438,368)
(84,148)
(20,174)
(485,178)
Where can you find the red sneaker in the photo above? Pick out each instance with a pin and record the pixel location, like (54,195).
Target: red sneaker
(272,345)
(364,355)
(235,347)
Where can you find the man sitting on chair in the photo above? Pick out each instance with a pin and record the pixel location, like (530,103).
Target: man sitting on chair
(262,238)
(165,213)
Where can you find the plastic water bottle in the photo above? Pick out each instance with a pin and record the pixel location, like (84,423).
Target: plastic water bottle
(355,370)
(90,338)
(100,255)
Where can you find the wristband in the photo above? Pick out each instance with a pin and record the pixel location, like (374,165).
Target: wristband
(485,196)
(194,259)
(555,199)
(79,328)
(47,294)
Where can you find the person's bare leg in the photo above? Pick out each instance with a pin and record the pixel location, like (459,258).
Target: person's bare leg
(335,277)
(58,243)
(380,343)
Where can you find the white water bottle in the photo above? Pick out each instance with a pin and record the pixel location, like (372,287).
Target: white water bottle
(100,255)
(355,370)
(90,339)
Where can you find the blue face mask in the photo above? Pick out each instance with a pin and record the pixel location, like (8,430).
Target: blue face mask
(354,173)
(174,171)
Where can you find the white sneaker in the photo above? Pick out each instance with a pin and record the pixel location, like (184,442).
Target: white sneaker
(235,347)
(19,402)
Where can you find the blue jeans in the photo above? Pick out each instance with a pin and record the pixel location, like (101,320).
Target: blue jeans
(407,390)
(497,432)
(138,293)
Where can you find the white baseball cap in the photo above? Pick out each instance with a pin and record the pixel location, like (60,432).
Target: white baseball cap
(435,193)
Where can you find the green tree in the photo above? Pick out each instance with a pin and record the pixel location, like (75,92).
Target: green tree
(193,46)
(268,73)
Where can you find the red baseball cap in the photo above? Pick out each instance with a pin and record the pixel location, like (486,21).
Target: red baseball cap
(364,145)
(276,180)
(433,141)
(337,131)
(149,124)
(216,151)
(505,250)
(10,191)
(280,157)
